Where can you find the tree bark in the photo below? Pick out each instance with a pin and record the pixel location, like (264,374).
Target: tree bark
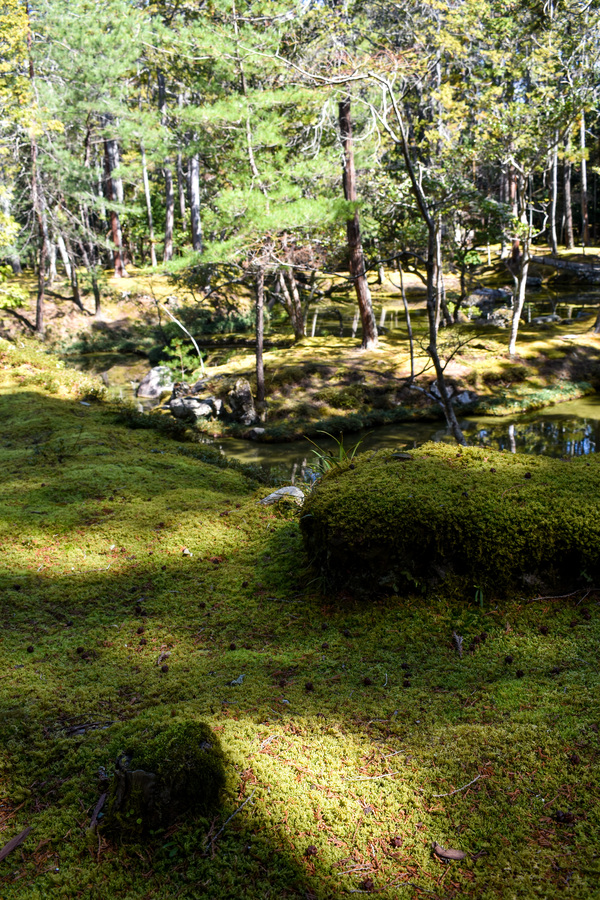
(38,205)
(169,214)
(519,269)
(181,192)
(408,323)
(148,206)
(260,368)
(196,221)
(113,187)
(433,307)
(357,260)
(62,249)
(553,205)
(585,228)
(168,175)
(570,241)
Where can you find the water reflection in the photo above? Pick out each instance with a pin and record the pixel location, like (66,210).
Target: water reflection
(569,429)
(542,436)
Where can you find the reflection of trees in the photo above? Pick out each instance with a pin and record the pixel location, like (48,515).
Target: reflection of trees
(547,437)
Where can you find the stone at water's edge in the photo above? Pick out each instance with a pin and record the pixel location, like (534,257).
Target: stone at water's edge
(155,383)
(454,520)
(163,776)
(242,402)
(190,409)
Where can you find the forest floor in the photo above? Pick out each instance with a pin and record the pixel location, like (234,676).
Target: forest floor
(323,382)
(358,735)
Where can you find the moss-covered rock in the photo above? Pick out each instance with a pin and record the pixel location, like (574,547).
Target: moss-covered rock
(456,519)
(163,776)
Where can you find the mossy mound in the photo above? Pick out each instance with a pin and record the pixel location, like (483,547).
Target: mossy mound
(455,519)
(161,777)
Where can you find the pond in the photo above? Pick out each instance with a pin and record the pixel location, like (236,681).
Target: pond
(568,429)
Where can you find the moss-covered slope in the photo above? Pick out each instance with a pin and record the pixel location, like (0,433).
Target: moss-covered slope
(456,519)
(354,735)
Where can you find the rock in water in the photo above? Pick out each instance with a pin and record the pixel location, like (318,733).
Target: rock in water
(155,383)
(178,771)
(242,402)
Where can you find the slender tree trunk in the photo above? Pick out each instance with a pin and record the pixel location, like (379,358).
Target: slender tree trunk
(168,175)
(553,205)
(73,277)
(148,206)
(51,263)
(113,186)
(569,239)
(62,249)
(293,305)
(408,324)
(39,306)
(585,229)
(520,268)
(433,306)
(181,192)
(196,221)
(357,260)
(169,214)
(38,205)
(260,368)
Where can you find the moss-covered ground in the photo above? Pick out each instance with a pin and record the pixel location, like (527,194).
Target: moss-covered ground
(357,734)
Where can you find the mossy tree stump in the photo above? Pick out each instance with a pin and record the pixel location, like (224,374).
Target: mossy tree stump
(162,777)
(455,520)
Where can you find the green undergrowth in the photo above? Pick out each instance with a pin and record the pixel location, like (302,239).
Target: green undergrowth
(455,519)
(354,733)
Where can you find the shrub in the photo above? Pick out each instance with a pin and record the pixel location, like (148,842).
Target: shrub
(455,519)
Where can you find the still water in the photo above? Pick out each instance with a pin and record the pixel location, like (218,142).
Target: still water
(568,429)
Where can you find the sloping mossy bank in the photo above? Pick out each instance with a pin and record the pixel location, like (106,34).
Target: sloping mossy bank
(357,735)
(456,520)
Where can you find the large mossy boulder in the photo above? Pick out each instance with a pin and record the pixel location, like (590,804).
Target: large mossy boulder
(455,520)
(163,776)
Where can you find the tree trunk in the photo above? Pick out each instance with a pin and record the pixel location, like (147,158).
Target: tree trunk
(51,263)
(585,228)
(194,177)
(148,206)
(181,192)
(169,214)
(62,249)
(38,206)
(433,306)
(168,174)
(112,187)
(260,369)
(293,305)
(569,239)
(519,269)
(357,261)
(408,324)
(553,238)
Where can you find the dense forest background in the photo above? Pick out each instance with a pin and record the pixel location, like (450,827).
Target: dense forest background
(209,136)
(266,144)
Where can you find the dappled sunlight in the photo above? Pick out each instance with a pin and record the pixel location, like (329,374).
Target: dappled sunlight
(142,587)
